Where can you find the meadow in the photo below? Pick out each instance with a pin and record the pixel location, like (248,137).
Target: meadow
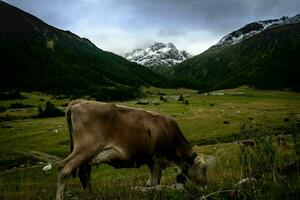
(213,123)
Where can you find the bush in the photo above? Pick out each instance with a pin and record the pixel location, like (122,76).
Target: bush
(19,105)
(162,98)
(161,93)
(181,98)
(50,111)
(142,102)
(2,109)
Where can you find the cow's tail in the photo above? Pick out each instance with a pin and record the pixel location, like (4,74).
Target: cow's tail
(70,129)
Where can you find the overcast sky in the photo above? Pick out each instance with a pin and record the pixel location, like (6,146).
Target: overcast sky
(122,25)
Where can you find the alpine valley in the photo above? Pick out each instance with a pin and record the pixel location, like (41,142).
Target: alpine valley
(38,57)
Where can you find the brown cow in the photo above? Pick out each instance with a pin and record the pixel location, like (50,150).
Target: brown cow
(125,137)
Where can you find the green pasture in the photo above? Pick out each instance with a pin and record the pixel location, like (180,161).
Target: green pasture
(211,122)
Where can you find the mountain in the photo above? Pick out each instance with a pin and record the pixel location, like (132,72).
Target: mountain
(158,56)
(37,56)
(255,28)
(266,60)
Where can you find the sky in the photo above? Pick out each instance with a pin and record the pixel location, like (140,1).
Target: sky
(120,26)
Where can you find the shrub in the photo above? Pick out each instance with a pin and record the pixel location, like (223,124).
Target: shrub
(50,111)
(2,109)
(142,102)
(162,98)
(161,93)
(64,104)
(19,105)
(181,98)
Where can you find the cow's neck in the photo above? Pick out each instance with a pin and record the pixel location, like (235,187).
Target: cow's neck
(187,164)
(189,161)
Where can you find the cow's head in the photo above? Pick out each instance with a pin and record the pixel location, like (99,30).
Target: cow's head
(197,172)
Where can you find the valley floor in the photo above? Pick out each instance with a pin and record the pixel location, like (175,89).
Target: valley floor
(214,123)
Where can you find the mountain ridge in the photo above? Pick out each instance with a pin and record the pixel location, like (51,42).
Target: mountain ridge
(254,28)
(267,60)
(37,56)
(158,56)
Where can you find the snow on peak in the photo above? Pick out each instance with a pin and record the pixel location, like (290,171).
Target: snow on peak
(255,28)
(158,56)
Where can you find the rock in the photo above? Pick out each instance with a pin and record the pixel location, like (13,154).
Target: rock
(47,167)
(245,181)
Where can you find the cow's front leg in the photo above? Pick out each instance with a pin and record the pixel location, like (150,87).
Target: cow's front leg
(61,185)
(155,175)
(65,168)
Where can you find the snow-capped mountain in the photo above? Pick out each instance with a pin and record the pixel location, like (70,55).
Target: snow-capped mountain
(253,29)
(158,56)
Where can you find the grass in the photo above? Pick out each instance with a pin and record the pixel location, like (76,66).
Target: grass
(202,122)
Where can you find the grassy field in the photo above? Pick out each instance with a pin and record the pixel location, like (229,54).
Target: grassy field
(211,122)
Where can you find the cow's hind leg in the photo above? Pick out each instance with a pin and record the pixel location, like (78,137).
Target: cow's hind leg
(73,161)
(155,175)
(85,178)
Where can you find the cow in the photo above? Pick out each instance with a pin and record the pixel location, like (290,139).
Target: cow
(125,137)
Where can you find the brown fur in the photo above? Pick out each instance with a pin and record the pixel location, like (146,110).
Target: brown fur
(122,137)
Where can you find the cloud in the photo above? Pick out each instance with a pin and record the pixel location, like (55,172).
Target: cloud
(215,15)
(170,32)
(121,25)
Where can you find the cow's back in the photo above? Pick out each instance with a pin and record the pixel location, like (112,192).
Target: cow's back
(135,132)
